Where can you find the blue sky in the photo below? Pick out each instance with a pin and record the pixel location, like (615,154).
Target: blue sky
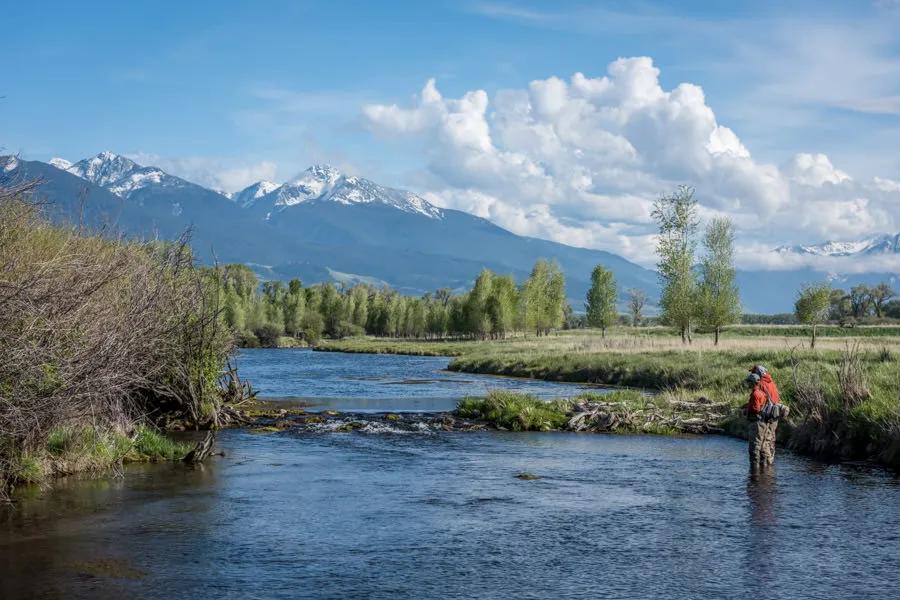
(228,92)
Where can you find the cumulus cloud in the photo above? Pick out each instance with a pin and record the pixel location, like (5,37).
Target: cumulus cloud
(581,161)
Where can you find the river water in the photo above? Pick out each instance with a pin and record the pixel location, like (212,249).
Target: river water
(442,515)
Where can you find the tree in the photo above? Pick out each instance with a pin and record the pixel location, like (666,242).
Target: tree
(892,309)
(477,317)
(501,305)
(636,300)
(676,216)
(544,297)
(601,299)
(812,305)
(860,300)
(879,296)
(719,303)
(840,308)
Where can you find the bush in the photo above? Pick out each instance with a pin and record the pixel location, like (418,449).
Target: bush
(268,335)
(98,333)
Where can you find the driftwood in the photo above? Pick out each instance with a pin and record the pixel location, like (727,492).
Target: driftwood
(202,450)
(687,417)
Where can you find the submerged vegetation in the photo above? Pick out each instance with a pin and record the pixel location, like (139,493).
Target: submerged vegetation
(101,338)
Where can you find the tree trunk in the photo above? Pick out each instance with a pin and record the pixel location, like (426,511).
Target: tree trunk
(812,344)
(717,336)
(683,335)
(603,332)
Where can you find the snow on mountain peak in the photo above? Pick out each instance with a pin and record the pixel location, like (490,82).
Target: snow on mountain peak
(324,183)
(104,169)
(120,175)
(250,194)
(880,244)
(61,163)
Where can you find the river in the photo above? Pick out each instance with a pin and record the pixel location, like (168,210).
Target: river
(442,515)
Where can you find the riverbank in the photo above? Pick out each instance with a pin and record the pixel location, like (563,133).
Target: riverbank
(845,395)
(102,338)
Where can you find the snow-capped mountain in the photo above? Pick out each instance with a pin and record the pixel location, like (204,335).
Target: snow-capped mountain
(60,163)
(881,244)
(323,183)
(250,194)
(118,174)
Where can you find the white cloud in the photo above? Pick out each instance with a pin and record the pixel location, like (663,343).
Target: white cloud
(814,169)
(221,174)
(581,162)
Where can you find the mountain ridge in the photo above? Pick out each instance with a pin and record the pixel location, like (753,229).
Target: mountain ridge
(326,225)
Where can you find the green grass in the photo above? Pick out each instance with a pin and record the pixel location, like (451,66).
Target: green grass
(516,412)
(78,449)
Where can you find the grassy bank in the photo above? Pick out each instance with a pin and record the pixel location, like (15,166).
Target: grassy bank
(621,411)
(845,393)
(370,345)
(68,450)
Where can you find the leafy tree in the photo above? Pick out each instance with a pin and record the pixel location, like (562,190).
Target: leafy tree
(719,301)
(892,309)
(636,301)
(879,296)
(478,321)
(501,305)
(860,300)
(812,305)
(544,297)
(840,308)
(601,299)
(676,216)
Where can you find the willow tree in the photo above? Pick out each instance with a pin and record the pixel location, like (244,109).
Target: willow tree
(601,299)
(719,302)
(812,306)
(676,216)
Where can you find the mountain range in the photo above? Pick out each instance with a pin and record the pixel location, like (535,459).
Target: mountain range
(326,225)
(879,244)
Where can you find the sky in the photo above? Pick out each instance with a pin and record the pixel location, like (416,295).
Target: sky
(560,120)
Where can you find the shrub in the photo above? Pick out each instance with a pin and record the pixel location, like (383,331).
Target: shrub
(98,333)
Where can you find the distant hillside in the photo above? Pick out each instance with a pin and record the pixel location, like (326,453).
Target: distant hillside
(326,225)
(321,225)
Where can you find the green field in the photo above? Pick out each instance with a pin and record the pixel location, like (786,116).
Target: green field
(845,394)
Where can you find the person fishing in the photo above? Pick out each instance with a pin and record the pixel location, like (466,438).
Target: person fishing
(763,410)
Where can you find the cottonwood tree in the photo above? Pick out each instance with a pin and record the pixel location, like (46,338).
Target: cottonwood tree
(544,297)
(676,216)
(601,299)
(879,296)
(501,305)
(636,301)
(719,302)
(812,306)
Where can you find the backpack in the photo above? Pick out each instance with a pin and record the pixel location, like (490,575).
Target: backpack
(770,410)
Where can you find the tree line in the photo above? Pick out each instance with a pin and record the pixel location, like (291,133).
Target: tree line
(495,307)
